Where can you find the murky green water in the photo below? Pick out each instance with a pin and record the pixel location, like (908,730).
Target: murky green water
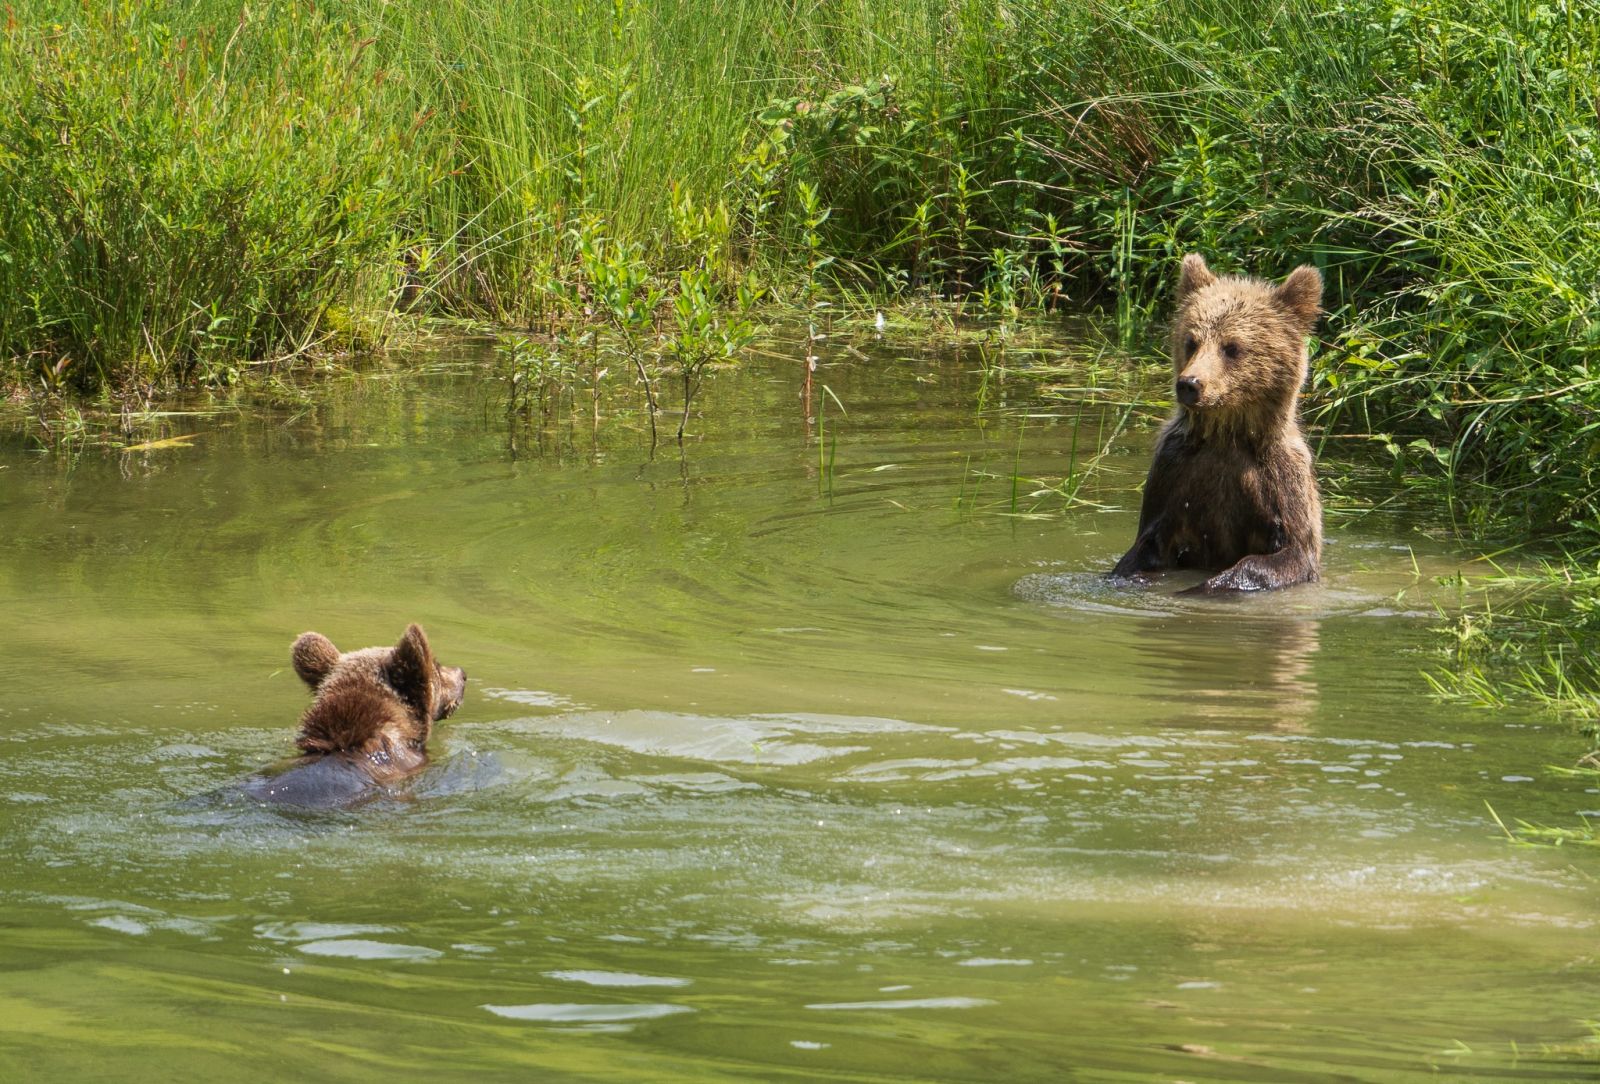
(755,780)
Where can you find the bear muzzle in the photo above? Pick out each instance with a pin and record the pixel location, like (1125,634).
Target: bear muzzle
(452,691)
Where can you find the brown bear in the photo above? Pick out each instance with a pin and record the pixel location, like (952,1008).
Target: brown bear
(370,720)
(1232,490)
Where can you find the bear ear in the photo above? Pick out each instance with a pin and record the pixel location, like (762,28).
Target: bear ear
(1195,275)
(314,657)
(1301,295)
(411,670)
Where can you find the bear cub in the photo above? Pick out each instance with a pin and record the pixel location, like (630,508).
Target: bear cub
(1232,490)
(369,721)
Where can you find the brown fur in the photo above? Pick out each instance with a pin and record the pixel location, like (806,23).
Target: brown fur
(377,706)
(1232,489)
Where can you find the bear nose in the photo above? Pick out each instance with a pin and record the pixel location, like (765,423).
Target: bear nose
(1188,390)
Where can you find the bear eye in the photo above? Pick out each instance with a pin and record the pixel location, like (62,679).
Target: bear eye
(1190,345)
(1231,350)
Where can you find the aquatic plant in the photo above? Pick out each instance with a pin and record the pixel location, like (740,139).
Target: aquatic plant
(827,441)
(621,290)
(812,215)
(1529,635)
(706,335)
(536,374)
(1539,835)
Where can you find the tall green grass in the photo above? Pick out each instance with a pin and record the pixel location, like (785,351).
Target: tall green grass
(187,189)
(178,201)
(562,121)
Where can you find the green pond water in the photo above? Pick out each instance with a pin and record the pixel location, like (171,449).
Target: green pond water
(766,771)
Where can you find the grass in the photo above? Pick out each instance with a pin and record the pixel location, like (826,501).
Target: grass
(178,204)
(1539,835)
(1528,638)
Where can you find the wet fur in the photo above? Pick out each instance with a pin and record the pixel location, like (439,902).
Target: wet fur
(370,719)
(1232,489)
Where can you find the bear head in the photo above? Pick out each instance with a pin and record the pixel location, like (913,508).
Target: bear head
(379,701)
(1239,344)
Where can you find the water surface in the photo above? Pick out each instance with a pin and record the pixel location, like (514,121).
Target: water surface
(767,770)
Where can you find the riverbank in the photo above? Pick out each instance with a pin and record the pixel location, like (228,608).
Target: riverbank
(191,191)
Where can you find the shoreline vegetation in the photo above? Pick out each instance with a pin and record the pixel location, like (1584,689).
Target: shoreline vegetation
(191,193)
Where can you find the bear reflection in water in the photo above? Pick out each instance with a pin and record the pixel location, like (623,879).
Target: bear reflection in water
(1238,672)
(368,725)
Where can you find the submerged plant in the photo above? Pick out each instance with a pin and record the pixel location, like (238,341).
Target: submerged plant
(1539,835)
(827,441)
(536,374)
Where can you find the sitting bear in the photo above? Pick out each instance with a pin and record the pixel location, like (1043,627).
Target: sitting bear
(1232,490)
(369,722)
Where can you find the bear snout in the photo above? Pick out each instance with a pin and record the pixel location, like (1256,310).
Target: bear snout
(1189,389)
(452,691)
